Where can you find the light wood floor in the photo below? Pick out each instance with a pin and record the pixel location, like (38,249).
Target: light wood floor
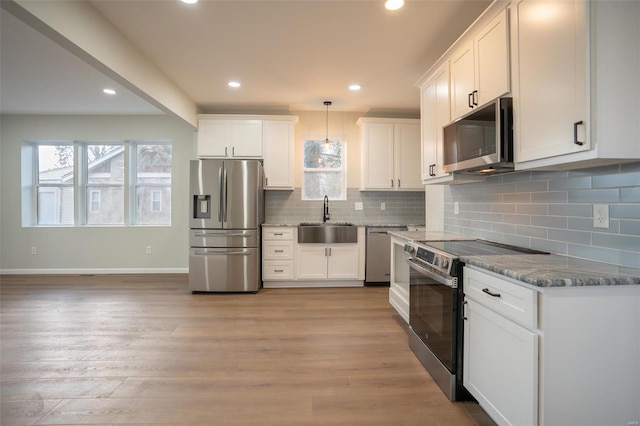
(141,349)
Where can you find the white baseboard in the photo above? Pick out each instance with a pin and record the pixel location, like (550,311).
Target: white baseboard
(312,284)
(88,271)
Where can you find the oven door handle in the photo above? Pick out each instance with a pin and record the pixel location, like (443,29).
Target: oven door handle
(449,282)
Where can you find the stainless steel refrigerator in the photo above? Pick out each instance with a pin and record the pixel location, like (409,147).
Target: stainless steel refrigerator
(227,209)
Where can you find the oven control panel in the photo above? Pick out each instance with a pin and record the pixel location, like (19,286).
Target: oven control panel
(429,256)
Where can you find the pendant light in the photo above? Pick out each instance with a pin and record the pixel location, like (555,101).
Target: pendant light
(327,103)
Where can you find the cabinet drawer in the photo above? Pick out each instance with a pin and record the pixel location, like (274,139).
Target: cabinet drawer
(277,250)
(281,233)
(503,297)
(277,270)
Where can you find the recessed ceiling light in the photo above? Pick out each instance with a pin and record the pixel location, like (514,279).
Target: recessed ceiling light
(189,1)
(393,4)
(234,84)
(355,87)
(109,91)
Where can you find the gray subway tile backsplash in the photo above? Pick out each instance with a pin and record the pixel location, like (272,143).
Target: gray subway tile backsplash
(553,211)
(400,207)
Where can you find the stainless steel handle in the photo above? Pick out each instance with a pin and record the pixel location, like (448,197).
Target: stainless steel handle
(226,186)
(219,234)
(220,195)
(449,282)
(490,293)
(221,253)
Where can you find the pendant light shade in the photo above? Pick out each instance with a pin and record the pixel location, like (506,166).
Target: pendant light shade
(327,103)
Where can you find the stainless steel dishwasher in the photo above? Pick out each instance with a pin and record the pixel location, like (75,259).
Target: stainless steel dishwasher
(378,258)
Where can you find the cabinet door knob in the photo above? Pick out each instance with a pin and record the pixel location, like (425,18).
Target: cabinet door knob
(575,132)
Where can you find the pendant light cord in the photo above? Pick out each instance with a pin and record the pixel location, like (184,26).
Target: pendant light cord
(327,103)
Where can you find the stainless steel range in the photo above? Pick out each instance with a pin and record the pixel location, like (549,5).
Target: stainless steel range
(435,305)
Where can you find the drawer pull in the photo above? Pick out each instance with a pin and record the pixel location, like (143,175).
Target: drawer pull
(279,251)
(278,270)
(278,234)
(486,290)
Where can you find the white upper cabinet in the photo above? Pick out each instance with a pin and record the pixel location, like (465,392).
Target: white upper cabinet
(434,114)
(229,137)
(278,136)
(480,68)
(390,154)
(577,85)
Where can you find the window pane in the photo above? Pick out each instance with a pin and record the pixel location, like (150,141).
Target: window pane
(110,209)
(318,184)
(105,164)
(153,205)
(55,206)
(55,164)
(318,154)
(154,164)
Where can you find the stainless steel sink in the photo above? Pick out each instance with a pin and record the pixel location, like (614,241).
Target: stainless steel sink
(333,233)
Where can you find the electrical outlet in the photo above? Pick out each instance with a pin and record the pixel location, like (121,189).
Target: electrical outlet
(358,205)
(600,215)
(148,250)
(456,207)
(383,206)
(34,250)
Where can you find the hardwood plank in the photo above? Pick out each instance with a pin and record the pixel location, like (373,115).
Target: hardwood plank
(141,349)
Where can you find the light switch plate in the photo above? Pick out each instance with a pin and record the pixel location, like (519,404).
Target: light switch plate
(383,206)
(456,207)
(358,205)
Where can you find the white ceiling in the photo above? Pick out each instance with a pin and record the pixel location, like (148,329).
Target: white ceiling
(289,55)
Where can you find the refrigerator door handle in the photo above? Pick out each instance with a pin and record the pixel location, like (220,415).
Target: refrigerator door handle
(226,186)
(221,200)
(221,253)
(222,234)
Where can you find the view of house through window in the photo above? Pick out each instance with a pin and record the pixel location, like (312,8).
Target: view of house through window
(116,183)
(324,170)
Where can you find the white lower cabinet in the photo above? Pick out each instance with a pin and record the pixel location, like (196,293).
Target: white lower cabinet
(333,262)
(399,279)
(552,356)
(287,263)
(500,365)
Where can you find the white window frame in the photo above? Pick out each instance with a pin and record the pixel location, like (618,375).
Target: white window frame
(82,203)
(94,198)
(342,170)
(154,200)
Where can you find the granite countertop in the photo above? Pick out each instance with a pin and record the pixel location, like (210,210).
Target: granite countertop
(554,270)
(429,235)
(377,225)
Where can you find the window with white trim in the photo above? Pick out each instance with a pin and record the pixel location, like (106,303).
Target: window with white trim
(75,183)
(324,170)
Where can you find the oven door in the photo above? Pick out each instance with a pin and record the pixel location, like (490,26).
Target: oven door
(433,312)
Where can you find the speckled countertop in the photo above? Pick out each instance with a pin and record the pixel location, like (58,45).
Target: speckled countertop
(555,270)
(540,270)
(379,225)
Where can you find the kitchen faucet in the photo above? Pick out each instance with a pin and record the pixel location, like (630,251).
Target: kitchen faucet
(325,210)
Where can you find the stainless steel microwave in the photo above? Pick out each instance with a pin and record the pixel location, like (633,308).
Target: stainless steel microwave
(481,142)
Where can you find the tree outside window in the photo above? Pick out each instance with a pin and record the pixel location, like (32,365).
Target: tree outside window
(324,170)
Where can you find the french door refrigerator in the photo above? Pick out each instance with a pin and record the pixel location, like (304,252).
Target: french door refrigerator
(227,209)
